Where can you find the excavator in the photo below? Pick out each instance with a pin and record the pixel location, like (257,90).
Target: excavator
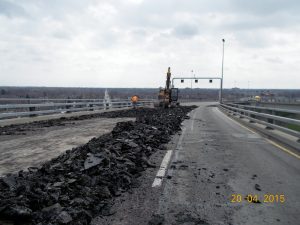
(168,96)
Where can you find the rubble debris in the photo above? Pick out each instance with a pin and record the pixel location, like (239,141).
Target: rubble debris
(21,129)
(183,166)
(252,200)
(91,161)
(64,218)
(254,177)
(81,183)
(156,220)
(257,187)
(188,218)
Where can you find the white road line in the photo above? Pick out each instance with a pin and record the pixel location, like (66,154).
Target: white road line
(157,182)
(162,170)
(164,164)
(193,119)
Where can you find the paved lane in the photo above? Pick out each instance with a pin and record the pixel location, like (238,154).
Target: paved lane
(217,159)
(213,159)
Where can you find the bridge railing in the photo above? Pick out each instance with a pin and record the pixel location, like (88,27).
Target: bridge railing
(284,120)
(35,107)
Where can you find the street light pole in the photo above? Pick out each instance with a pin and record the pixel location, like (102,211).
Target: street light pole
(192,80)
(221,91)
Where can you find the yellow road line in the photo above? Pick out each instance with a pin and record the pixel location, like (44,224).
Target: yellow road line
(283,148)
(268,140)
(240,124)
(245,127)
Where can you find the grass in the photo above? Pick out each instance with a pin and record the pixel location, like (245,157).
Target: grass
(294,127)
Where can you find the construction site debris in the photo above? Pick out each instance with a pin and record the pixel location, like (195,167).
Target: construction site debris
(80,184)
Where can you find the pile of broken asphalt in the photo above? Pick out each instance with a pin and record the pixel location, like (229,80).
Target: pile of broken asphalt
(80,184)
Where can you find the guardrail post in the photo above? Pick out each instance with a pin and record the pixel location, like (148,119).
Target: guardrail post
(270,121)
(91,107)
(241,115)
(234,112)
(68,106)
(251,116)
(32,109)
(106,104)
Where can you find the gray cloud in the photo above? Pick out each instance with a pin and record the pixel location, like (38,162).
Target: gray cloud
(266,7)
(96,42)
(11,9)
(185,31)
(275,60)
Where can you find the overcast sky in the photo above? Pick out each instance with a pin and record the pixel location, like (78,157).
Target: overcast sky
(130,43)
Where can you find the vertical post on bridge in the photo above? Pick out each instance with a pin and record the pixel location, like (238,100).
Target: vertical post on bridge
(221,90)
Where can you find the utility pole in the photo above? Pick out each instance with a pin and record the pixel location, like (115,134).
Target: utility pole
(221,91)
(192,80)
(248,89)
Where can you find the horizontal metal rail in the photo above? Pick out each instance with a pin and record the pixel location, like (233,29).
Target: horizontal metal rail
(242,113)
(43,112)
(283,102)
(16,106)
(264,108)
(34,109)
(274,126)
(265,115)
(50,99)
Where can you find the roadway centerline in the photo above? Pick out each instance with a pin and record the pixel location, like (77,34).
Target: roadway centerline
(162,170)
(166,160)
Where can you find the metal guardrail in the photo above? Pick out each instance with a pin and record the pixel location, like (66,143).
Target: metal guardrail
(265,108)
(266,119)
(34,109)
(16,106)
(50,99)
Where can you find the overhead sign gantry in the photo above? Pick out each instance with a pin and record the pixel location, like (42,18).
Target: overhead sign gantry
(201,78)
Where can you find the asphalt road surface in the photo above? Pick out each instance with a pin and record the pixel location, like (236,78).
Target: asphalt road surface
(214,164)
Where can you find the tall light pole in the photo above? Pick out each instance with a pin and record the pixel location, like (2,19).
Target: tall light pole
(221,91)
(192,80)
(248,89)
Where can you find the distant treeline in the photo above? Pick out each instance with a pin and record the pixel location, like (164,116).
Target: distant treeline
(145,93)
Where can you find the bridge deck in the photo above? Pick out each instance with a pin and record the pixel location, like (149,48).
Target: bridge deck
(213,159)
